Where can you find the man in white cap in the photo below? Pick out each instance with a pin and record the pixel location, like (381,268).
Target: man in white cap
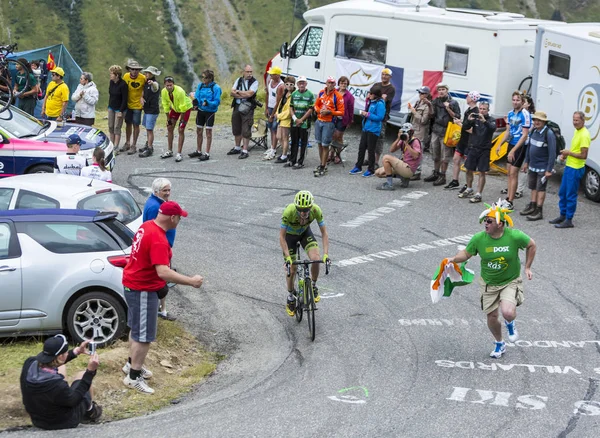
(302,102)
(133,117)
(462,148)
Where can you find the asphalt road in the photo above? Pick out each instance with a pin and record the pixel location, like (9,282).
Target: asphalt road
(386,362)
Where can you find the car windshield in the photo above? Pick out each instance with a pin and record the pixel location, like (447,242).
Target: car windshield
(21,125)
(119,201)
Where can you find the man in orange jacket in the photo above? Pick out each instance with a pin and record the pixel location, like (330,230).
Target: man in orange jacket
(328,105)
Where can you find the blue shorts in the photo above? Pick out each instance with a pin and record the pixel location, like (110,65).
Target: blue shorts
(272,125)
(324,132)
(142,314)
(133,116)
(149,121)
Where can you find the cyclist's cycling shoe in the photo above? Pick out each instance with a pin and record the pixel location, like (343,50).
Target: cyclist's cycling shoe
(290,307)
(316,294)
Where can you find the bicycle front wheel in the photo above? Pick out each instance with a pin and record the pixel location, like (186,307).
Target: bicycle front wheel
(6,93)
(310,309)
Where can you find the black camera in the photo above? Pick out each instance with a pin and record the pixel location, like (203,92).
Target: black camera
(404,136)
(258,103)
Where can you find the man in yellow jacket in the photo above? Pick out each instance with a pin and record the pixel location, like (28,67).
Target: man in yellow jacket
(178,106)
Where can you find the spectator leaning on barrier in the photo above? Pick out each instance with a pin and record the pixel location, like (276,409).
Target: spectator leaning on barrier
(85,98)
(57,97)
(207,100)
(49,400)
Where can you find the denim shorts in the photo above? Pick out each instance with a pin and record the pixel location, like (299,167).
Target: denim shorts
(324,132)
(133,116)
(149,121)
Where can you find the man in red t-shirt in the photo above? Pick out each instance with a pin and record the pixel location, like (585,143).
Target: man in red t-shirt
(147,273)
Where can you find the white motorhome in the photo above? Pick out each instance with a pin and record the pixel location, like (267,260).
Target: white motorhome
(566,78)
(468,49)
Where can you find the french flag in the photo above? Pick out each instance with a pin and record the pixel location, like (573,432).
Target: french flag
(407,80)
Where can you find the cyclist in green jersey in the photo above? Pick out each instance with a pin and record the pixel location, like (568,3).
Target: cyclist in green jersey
(295,227)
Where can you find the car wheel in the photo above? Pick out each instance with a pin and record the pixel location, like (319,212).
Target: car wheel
(41,168)
(97,316)
(592,185)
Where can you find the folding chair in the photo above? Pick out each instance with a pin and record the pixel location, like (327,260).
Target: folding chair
(259,134)
(337,150)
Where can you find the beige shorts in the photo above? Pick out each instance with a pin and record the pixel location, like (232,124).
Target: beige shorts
(399,167)
(492,295)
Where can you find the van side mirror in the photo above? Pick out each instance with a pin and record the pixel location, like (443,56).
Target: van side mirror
(283,51)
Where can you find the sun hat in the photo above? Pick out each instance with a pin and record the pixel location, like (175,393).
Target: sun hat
(74,139)
(132,64)
(59,71)
(274,71)
(172,208)
(540,115)
(153,70)
(53,347)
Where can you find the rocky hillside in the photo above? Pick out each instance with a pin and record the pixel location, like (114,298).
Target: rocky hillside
(183,37)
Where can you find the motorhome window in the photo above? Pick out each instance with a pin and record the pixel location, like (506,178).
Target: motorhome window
(309,43)
(456,60)
(559,64)
(361,48)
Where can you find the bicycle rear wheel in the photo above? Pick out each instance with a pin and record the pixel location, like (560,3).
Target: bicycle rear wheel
(299,305)
(310,309)
(6,93)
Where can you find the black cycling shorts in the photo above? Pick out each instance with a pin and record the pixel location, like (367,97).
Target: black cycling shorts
(205,120)
(306,239)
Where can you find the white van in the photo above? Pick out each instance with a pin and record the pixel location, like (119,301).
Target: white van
(566,78)
(468,49)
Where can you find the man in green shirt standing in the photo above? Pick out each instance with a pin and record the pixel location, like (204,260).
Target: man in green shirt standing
(302,102)
(501,284)
(27,100)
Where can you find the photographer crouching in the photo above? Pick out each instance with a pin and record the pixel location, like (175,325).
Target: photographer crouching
(49,400)
(404,167)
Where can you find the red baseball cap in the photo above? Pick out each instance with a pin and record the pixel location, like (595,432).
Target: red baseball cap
(172,208)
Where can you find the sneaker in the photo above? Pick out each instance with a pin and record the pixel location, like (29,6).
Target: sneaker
(441,180)
(513,334)
(234,151)
(269,155)
(404,182)
(139,384)
(462,189)
(509,204)
(94,414)
(499,350)
(468,193)
(476,198)
(290,307)
(178,158)
(195,154)
(280,159)
(243,155)
(504,191)
(166,316)
(386,186)
(316,293)
(433,177)
(415,177)
(518,195)
(166,154)
(298,166)
(142,150)
(355,171)
(367,174)
(557,220)
(567,223)
(204,156)
(146,373)
(146,153)
(454,184)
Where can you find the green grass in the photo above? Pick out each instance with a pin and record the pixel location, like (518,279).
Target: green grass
(188,364)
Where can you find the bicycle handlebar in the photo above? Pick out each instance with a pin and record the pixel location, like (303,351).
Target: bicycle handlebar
(308,262)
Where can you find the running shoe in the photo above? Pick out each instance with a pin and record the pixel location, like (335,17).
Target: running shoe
(368,174)
(138,384)
(166,154)
(204,156)
(243,155)
(195,154)
(93,415)
(234,151)
(462,189)
(178,158)
(355,171)
(499,350)
(452,185)
(513,334)
(290,307)
(386,186)
(475,199)
(146,373)
(468,193)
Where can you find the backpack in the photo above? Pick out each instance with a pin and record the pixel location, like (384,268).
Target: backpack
(560,140)
(314,113)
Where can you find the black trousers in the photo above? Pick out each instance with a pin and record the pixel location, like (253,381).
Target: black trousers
(299,141)
(368,142)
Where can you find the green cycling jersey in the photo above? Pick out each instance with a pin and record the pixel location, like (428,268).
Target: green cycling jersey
(294,224)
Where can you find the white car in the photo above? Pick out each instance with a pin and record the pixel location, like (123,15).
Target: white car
(47,190)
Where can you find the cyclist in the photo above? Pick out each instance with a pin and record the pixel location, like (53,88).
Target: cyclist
(295,227)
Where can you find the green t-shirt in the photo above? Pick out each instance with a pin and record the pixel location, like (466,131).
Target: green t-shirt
(290,219)
(500,262)
(20,81)
(302,102)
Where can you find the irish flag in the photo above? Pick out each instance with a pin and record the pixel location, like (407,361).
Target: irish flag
(447,277)
(406,81)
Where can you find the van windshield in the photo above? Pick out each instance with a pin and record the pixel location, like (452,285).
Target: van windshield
(119,201)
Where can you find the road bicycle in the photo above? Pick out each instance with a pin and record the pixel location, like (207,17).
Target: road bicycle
(305,297)
(8,68)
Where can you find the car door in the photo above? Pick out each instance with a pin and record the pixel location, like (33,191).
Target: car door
(10,275)
(7,157)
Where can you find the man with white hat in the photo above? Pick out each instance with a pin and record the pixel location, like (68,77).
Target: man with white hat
(302,102)
(133,117)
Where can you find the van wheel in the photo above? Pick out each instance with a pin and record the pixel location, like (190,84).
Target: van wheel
(96,316)
(591,185)
(41,168)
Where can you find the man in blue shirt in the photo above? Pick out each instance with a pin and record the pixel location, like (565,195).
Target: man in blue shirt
(519,123)
(161,191)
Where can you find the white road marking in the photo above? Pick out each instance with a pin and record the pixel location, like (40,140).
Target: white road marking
(379,212)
